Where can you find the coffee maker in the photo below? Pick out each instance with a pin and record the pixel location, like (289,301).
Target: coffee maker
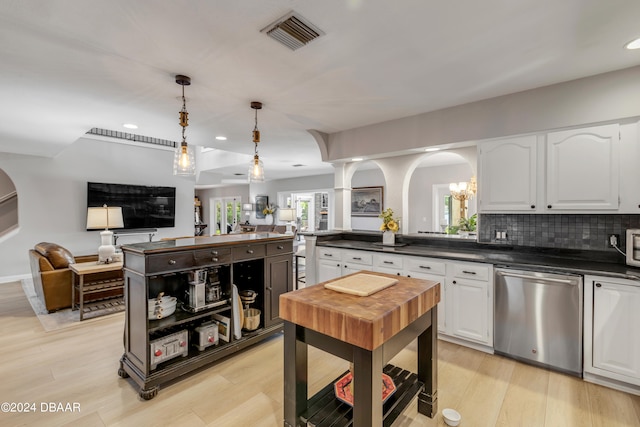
(196,292)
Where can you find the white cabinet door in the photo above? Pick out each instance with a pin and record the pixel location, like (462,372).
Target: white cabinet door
(616,328)
(507,174)
(442,311)
(582,168)
(328,269)
(469,314)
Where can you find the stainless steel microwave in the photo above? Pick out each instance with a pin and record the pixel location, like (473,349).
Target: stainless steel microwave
(633,247)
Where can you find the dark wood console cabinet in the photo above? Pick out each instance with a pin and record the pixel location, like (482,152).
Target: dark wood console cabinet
(261,262)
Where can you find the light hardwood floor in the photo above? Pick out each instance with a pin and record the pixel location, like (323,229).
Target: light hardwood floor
(79,364)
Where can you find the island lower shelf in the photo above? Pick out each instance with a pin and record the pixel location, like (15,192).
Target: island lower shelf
(324,408)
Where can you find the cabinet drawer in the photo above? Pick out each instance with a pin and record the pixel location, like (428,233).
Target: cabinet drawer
(387,261)
(249,252)
(170,262)
(329,253)
(471,271)
(426,265)
(357,257)
(277,248)
(212,256)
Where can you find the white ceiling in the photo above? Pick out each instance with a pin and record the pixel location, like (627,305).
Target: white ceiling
(67,66)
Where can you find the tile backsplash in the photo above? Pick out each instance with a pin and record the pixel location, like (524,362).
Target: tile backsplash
(562,231)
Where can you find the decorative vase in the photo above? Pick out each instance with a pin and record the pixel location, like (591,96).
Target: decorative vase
(268,219)
(388,238)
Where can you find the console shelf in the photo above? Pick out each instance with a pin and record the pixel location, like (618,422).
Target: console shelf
(158,351)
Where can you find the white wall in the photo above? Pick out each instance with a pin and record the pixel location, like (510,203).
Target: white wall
(605,97)
(52,195)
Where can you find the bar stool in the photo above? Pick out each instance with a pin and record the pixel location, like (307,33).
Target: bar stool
(299,254)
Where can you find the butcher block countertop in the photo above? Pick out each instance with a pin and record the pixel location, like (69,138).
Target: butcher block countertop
(364,321)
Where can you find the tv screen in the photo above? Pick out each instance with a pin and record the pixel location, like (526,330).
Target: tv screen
(142,206)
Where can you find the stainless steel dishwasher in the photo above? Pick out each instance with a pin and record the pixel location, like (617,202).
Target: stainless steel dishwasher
(538,318)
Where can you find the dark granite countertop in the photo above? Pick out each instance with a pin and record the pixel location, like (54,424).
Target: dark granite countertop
(609,264)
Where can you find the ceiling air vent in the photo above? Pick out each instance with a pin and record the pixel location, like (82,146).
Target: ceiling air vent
(292,30)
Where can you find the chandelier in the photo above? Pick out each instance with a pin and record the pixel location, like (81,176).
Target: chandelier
(184,160)
(256,167)
(463,191)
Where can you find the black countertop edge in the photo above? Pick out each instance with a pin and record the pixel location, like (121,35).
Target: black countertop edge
(543,259)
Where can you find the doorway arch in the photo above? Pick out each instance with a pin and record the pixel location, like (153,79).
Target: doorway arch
(434,172)
(8,206)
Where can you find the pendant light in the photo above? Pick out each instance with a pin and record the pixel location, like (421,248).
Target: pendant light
(256,167)
(184,159)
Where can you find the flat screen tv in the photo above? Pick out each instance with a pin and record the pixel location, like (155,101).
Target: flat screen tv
(142,206)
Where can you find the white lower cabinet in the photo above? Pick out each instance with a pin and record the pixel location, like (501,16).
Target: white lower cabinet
(431,269)
(465,310)
(469,316)
(612,328)
(470,301)
(334,263)
(329,264)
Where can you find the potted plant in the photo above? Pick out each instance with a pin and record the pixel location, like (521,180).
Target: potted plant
(389,227)
(465,226)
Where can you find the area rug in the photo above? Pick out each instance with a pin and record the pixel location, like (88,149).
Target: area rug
(60,319)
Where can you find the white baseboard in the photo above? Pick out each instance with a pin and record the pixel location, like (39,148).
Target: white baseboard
(9,279)
(614,384)
(465,343)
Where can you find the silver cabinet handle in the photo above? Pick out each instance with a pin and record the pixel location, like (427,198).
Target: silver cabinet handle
(172,262)
(280,247)
(214,259)
(214,252)
(249,251)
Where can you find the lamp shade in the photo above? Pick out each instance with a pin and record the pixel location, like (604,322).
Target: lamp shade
(287,214)
(104,218)
(247,207)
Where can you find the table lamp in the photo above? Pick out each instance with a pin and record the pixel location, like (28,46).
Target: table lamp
(247,208)
(287,215)
(105,217)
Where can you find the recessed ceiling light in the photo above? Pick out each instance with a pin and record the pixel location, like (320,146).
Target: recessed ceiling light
(130,126)
(357,159)
(221,138)
(428,150)
(633,44)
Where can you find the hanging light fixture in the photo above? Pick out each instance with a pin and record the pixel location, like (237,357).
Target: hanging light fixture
(184,159)
(256,168)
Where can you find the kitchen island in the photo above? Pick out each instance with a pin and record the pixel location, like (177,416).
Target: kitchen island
(161,346)
(368,331)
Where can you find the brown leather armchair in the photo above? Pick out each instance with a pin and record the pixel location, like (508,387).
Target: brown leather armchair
(51,274)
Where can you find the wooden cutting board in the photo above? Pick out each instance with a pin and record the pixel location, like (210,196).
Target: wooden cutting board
(361,284)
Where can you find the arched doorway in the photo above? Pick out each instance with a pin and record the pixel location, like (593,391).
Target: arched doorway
(8,205)
(430,205)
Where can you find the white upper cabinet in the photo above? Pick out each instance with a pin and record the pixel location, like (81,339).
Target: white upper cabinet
(568,171)
(507,175)
(582,168)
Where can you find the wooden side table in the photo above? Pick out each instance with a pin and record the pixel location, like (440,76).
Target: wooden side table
(368,331)
(102,284)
